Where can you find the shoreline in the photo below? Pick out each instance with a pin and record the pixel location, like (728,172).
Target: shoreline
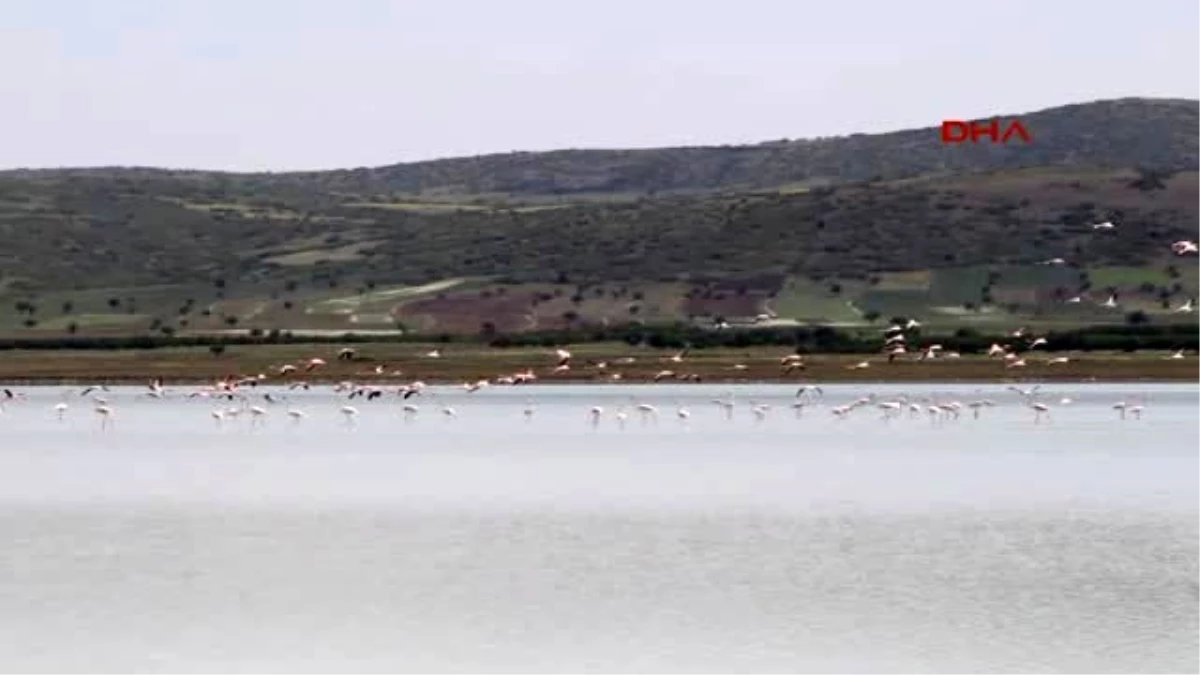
(402,364)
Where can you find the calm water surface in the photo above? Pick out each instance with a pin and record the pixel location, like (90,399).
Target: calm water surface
(488,541)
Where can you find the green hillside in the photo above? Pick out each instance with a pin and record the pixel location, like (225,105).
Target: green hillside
(833,230)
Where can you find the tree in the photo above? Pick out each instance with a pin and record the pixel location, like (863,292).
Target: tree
(114,302)
(1137,318)
(67,307)
(72,328)
(216,350)
(1150,179)
(871,315)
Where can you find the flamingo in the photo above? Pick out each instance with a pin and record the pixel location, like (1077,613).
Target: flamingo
(594,415)
(60,410)
(647,412)
(1039,409)
(256,415)
(1184,247)
(349,413)
(105,412)
(683,414)
(296,415)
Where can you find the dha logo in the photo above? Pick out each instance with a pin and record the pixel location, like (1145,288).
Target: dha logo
(959,131)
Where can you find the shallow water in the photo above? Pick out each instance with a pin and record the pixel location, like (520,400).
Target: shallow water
(488,542)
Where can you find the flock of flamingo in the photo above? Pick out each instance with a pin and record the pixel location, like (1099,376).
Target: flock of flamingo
(255,400)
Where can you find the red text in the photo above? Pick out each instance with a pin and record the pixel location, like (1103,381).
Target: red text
(996,131)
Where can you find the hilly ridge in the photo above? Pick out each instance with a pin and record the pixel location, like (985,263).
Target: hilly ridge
(664,224)
(1132,132)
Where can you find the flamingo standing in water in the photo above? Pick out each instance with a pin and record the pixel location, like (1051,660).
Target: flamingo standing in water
(1039,409)
(410,411)
(256,415)
(105,412)
(683,414)
(648,413)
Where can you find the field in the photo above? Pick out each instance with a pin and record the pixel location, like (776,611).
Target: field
(402,363)
(985,298)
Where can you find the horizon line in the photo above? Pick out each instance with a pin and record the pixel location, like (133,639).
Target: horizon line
(582,148)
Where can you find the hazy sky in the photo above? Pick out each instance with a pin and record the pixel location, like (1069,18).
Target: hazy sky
(300,84)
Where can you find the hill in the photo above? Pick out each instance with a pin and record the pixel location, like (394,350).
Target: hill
(1133,132)
(894,222)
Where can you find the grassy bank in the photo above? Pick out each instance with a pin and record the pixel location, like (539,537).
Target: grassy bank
(468,362)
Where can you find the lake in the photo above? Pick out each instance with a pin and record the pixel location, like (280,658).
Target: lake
(780,541)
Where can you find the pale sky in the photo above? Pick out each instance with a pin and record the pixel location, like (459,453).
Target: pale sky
(305,84)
